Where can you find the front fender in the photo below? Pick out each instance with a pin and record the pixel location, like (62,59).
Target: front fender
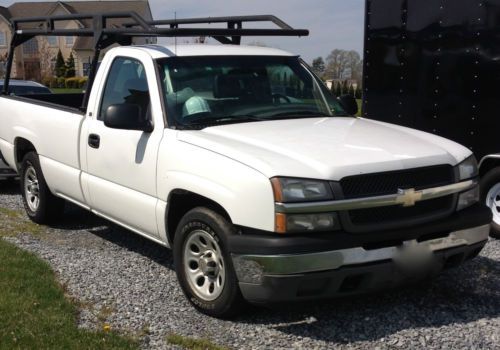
(243,192)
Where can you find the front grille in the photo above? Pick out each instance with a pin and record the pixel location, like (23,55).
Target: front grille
(379,184)
(369,185)
(383,215)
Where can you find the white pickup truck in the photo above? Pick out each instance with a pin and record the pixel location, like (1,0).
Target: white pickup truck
(241,160)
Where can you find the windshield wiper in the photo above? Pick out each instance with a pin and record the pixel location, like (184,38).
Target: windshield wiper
(299,114)
(228,119)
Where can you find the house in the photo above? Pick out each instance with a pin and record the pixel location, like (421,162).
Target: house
(36,58)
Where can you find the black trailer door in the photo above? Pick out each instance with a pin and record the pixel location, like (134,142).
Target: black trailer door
(434,65)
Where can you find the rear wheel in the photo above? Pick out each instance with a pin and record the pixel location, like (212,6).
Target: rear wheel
(203,265)
(490,194)
(40,204)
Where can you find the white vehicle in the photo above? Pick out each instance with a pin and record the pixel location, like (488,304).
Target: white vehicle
(6,172)
(262,196)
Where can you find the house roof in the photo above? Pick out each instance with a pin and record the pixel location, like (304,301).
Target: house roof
(44,8)
(4,12)
(30,9)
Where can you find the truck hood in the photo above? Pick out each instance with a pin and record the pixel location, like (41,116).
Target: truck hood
(325,148)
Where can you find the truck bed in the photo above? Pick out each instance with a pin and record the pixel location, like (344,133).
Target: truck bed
(52,129)
(61,101)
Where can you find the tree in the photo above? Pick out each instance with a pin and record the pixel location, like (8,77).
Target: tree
(351,90)
(358,93)
(338,90)
(60,65)
(345,88)
(46,56)
(70,66)
(318,66)
(342,64)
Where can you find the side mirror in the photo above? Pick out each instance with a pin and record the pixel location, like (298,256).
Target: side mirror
(349,104)
(126,116)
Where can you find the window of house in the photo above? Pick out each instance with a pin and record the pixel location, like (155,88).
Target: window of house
(69,40)
(53,64)
(52,40)
(86,69)
(30,47)
(3,39)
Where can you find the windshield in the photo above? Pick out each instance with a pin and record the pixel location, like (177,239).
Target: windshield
(211,90)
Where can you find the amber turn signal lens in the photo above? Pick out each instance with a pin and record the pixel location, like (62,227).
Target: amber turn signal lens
(278,197)
(280,223)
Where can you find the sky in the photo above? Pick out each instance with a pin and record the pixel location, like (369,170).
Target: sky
(332,23)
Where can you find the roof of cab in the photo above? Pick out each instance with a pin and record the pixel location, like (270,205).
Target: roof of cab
(161,51)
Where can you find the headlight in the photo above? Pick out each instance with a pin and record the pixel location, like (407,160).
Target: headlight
(468,168)
(292,223)
(287,190)
(466,199)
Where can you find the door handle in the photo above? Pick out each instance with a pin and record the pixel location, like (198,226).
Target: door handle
(94,140)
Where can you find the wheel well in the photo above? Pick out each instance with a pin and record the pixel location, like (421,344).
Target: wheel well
(488,165)
(180,202)
(22,147)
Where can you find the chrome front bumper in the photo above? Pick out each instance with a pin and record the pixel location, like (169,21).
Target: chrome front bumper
(253,268)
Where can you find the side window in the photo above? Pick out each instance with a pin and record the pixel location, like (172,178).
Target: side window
(126,83)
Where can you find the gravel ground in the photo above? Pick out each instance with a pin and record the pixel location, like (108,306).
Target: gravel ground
(126,281)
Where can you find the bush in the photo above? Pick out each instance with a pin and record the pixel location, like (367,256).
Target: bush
(358,93)
(82,81)
(61,82)
(71,83)
(46,81)
(53,82)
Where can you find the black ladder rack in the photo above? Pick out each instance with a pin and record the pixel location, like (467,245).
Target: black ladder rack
(105,34)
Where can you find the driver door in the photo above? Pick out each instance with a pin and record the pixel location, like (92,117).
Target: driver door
(121,164)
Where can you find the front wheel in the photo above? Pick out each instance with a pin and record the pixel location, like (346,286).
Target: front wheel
(203,265)
(40,204)
(490,194)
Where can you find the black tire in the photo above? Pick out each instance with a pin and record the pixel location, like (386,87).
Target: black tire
(49,207)
(230,301)
(488,181)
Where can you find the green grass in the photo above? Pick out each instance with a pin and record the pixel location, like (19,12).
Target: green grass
(193,343)
(14,223)
(34,313)
(360,103)
(66,91)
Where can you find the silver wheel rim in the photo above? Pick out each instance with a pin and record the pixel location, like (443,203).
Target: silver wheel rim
(31,188)
(493,202)
(204,265)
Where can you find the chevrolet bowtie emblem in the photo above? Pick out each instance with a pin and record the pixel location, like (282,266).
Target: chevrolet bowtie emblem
(408,197)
